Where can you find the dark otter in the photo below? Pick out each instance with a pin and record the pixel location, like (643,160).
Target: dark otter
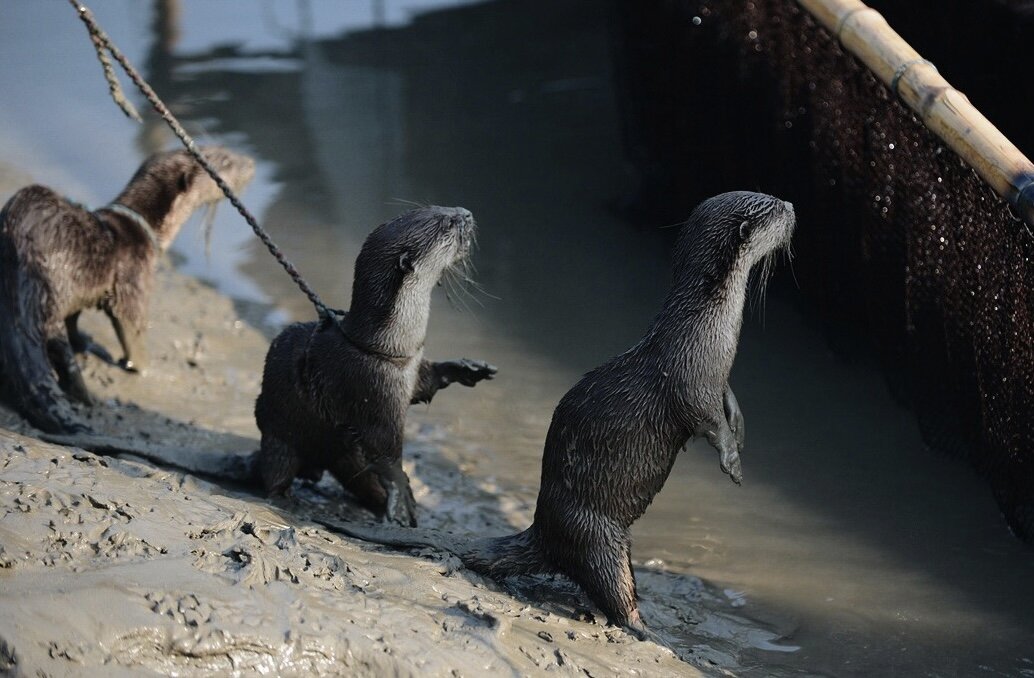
(334,394)
(57,258)
(615,435)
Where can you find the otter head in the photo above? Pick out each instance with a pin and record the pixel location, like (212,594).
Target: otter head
(171,185)
(396,270)
(726,235)
(235,169)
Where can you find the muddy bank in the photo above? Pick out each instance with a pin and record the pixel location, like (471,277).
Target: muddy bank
(120,564)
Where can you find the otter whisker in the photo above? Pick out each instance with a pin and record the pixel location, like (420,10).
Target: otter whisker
(461,274)
(466,283)
(463,287)
(788,252)
(465,276)
(453,295)
(759,287)
(459,278)
(478,288)
(462,300)
(446,286)
(408,203)
(674,225)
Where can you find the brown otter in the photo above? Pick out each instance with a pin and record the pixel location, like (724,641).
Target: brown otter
(57,258)
(615,435)
(335,392)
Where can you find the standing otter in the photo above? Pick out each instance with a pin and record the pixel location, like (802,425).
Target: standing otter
(57,259)
(615,435)
(335,393)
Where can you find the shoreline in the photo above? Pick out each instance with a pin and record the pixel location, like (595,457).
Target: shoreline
(118,563)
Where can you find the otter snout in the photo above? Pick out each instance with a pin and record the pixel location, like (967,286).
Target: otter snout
(458,218)
(236,169)
(460,221)
(790,218)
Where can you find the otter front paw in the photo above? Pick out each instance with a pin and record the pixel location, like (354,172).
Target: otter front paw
(467,372)
(725,443)
(730,460)
(734,416)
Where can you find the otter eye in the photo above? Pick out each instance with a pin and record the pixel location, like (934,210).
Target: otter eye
(406,262)
(744,228)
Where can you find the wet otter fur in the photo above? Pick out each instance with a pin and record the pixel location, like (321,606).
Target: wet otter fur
(57,259)
(615,435)
(335,392)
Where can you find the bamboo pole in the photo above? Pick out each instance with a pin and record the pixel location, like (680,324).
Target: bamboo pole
(943,109)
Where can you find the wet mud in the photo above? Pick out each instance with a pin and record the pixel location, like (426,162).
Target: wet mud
(119,565)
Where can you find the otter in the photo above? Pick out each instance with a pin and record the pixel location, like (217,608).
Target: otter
(57,259)
(335,391)
(615,435)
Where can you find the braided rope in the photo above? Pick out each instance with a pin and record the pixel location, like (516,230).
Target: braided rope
(102,43)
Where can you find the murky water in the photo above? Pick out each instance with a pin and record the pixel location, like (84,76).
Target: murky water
(872,555)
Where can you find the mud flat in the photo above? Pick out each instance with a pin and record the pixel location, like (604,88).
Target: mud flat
(119,565)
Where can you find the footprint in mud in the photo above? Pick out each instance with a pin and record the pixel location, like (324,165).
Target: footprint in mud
(183,609)
(77,528)
(255,554)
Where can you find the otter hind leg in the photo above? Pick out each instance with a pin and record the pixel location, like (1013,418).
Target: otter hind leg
(386,492)
(278,464)
(600,562)
(82,342)
(69,376)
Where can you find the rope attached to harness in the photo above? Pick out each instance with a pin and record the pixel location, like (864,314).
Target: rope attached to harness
(104,46)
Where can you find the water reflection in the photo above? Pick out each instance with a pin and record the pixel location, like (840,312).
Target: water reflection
(877,557)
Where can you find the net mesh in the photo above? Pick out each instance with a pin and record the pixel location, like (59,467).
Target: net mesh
(899,241)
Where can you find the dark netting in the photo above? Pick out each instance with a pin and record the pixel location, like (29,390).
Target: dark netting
(899,241)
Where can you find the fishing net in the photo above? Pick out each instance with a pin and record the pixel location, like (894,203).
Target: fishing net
(901,246)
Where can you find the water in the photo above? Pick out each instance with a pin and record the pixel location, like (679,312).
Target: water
(870,554)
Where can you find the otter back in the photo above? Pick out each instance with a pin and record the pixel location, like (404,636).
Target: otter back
(59,259)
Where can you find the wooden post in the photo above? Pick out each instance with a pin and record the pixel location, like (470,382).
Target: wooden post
(943,109)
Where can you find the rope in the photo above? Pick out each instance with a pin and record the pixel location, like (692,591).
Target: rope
(102,43)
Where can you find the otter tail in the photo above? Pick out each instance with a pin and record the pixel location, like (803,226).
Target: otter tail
(496,557)
(392,535)
(500,557)
(28,377)
(240,468)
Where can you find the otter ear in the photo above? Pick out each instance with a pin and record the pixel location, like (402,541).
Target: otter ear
(405,262)
(184,182)
(744,229)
